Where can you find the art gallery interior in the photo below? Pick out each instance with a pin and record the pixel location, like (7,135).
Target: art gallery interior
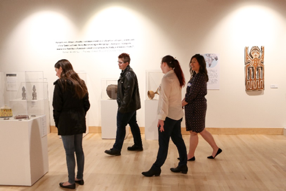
(35,34)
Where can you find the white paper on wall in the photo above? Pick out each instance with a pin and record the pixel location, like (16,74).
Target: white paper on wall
(11,82)
(90,46)
(212,62)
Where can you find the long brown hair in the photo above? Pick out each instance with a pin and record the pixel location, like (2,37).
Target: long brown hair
(173,63)
(68,74)
(203,67)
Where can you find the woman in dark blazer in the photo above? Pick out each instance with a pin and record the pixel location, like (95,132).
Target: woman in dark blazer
(195,105)
(70,103)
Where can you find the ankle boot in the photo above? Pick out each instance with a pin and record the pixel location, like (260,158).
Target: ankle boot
(182,169)
(152,172)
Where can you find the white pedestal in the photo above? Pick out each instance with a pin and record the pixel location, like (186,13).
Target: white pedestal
(108,118)
(24,151)
(151,120)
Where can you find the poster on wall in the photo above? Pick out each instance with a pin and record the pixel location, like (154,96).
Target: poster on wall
(212,62)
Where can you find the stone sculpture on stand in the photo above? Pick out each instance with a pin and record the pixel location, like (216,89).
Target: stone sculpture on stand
(111,91)
(34,94)
(24,95)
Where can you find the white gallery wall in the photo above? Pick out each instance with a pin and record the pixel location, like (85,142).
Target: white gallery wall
(31,31)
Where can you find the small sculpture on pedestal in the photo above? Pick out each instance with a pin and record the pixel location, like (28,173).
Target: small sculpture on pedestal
(151,94)
(34,94)
(111,91)
(23,93)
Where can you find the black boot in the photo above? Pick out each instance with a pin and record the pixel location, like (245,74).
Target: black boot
(113,152)
(152,172)
(135,148)
(182,169)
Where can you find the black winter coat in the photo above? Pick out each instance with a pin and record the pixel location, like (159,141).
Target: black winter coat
(128,97)
(69,110)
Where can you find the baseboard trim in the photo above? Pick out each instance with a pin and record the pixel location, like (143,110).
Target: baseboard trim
(212,130)
(249,131)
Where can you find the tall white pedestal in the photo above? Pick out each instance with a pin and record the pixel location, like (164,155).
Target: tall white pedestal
(24,151)
(151,120)
(108,118)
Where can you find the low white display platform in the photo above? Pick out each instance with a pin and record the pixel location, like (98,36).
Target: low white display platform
(24,151)
(151,120)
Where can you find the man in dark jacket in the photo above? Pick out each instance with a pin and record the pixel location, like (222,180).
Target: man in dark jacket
(128,101)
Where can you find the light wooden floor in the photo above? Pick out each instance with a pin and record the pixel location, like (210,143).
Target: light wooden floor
(248,162)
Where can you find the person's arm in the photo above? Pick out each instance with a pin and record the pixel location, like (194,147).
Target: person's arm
(57,102)
(195,88)
(86,103)
(184,103)
(128,85)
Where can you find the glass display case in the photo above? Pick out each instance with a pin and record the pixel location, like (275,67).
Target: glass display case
(108,89)
(24,123)
(25,94)
(30,99)
(153,81)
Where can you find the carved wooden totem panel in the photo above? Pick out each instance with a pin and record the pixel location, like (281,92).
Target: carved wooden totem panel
(254,68)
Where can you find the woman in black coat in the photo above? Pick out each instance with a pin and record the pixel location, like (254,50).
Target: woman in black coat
(195,105)
(70,103)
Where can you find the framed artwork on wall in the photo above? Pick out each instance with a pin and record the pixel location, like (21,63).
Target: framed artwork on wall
(254,68)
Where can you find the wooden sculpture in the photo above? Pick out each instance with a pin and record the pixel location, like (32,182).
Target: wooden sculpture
(254,68)
(151,94)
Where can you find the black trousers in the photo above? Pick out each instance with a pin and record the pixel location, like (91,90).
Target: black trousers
(122,120)
(172,128)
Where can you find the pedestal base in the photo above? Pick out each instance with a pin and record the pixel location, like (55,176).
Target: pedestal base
(24,151)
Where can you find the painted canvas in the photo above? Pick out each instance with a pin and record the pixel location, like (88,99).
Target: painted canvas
(254,68)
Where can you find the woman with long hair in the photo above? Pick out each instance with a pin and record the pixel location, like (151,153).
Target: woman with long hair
(70,103)
(170,115)
(195,105)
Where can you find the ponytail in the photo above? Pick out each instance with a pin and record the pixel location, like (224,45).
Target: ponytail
(175,65)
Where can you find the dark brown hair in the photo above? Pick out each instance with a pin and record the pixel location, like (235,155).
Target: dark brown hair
(203,67)
(125,57)
(173,63)
(68,74)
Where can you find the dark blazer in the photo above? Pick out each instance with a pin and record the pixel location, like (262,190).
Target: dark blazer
(69,110)
(128,97)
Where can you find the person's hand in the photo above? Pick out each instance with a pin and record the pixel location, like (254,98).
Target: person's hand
(184,103)
(161,125)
